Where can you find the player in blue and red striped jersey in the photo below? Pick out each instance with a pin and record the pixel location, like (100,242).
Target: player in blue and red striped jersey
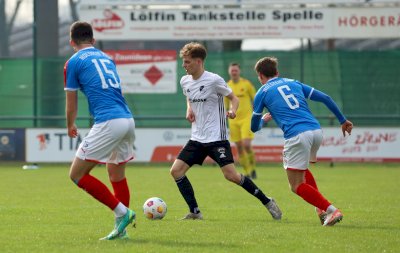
(110,140)
(286,102)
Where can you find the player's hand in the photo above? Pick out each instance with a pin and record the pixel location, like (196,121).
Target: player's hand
(73,131)
(266,117)
(347,126)
(231,114)
(190,115)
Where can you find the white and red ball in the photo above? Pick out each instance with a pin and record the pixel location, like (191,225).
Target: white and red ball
(154,208)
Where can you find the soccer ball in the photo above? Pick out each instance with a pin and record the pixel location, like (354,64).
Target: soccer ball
(154,208)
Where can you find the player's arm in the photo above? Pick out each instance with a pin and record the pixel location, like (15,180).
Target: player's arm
(189,112)
(71,110)
(256,118)
(319,96)
(234,102)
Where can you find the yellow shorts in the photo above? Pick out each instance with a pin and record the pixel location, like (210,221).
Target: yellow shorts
(240,129)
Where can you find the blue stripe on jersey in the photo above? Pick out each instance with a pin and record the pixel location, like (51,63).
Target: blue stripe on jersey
(95,74)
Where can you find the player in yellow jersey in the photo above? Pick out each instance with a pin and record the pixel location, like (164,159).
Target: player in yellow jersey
(239,127)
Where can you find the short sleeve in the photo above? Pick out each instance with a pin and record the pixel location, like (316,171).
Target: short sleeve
(71,81)
(222,87)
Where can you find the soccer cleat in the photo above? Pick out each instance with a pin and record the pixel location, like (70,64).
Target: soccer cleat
(333,218)
(321,215)
(274,210)
(111,236)
(123,235)
(121,223)
(193,216)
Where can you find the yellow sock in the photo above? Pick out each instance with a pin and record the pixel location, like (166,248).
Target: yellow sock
(244,161)
(252,159)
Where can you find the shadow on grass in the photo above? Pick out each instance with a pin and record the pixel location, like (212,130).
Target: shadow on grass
(179,244)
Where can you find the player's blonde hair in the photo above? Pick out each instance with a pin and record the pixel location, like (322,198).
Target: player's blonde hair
(268,66)
(194,50)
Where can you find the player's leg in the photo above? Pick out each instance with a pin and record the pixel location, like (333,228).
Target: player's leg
(250,157)
(79,173)
(91,151)
(236,137)
(247,136)
(191,154)
(246,183)
(116,174)
(123,215)
(221,153)
(296,155)
(116,164)
(243,158)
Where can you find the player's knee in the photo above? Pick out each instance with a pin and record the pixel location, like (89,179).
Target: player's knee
(175,173)
(73,177)
(293,188)
(233,177)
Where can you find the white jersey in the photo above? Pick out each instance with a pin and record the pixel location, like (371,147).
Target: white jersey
(206,98)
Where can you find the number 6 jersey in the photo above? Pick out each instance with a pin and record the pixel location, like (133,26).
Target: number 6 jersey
(286,100)
(95,74)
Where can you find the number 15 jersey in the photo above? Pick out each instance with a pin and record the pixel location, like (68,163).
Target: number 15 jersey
(286,101)
(95,74)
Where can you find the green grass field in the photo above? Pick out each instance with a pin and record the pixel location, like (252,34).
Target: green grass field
(43,211)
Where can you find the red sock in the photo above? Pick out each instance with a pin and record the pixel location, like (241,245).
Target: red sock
(312,196)
(121,191)
(98,190)
(310,179)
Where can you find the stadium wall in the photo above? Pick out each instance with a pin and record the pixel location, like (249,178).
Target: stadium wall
(163,145)
(366,85)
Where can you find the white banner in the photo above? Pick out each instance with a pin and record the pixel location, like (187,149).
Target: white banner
(146,71)
(163,145)
(234,23)
(225,2)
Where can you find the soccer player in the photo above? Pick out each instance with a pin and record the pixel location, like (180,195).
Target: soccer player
(205,92)
(239,127)
(110,140)
(286,102)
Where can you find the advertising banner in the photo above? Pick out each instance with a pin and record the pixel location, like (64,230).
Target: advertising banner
(242,23)
(146,71)
(226,2)
(12,146)
(163,145)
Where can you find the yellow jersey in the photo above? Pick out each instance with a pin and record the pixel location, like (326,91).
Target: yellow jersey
(245,91)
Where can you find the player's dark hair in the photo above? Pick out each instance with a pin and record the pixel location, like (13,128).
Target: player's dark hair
(81,33)
(268,66)
(194,50)
(234,64)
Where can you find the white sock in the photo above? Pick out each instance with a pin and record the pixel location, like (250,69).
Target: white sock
(120,210)
(331,209)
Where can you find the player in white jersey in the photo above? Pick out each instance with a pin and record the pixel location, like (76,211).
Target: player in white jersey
(205,92)
(286,101)
(110,140)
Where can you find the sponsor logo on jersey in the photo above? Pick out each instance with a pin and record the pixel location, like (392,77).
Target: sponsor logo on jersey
(197,100)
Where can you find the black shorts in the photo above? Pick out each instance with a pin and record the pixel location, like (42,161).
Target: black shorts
(196,152)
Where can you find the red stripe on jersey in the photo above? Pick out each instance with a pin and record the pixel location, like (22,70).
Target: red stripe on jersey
(65,73)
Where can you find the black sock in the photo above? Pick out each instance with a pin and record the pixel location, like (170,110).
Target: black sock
(186,189)
(251,188)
